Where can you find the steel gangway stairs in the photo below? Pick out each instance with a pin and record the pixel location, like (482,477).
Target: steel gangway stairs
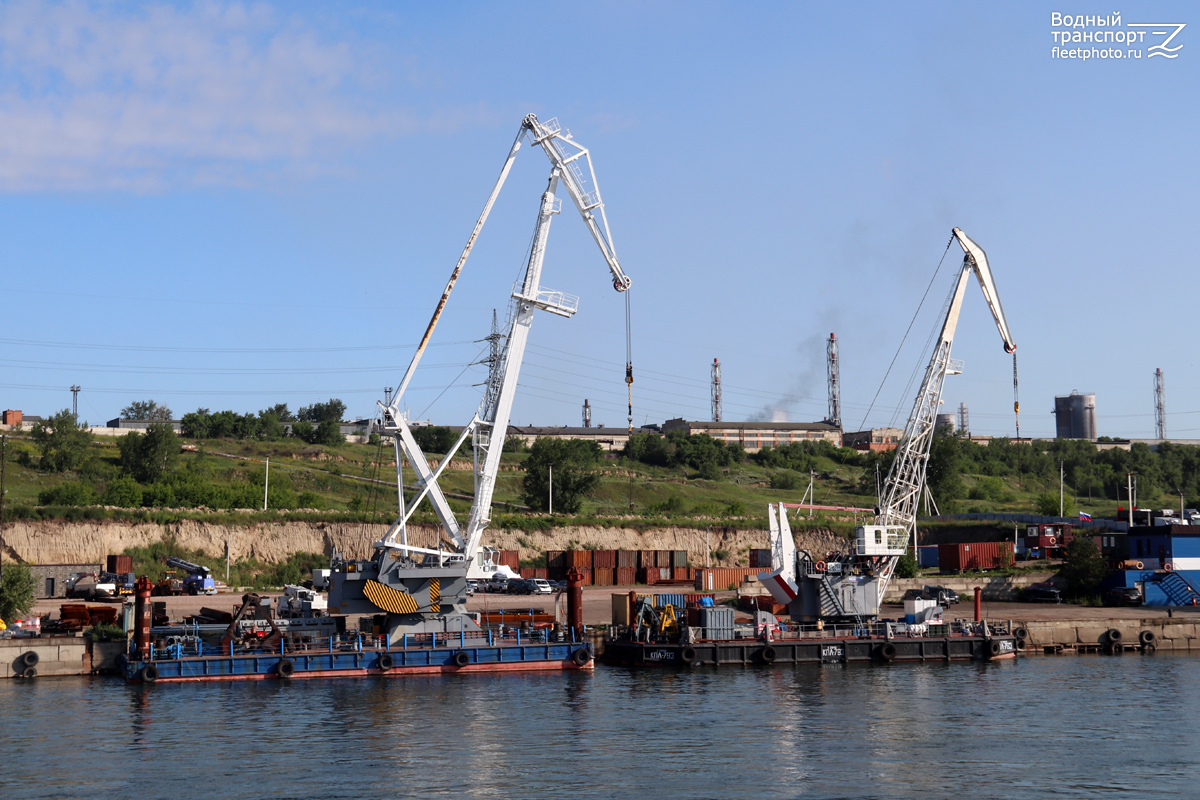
(1178,589)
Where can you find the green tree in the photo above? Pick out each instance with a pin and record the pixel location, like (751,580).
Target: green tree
(67,493)
(304,431)
(907,566)
(332,411)
(434,438)
(1084,567)
(123,492)
(63,441)
(280,411)
(943,474)
(329,433)
(1047,504)
(575,476)
(147,457)
(146,410)
(16,591)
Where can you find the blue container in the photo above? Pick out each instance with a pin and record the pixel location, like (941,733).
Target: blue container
(662,600)
(927,556)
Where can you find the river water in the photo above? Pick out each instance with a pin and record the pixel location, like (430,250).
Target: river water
(1086,726)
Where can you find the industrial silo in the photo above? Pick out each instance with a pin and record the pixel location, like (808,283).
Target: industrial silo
(1075,416)
(947,422)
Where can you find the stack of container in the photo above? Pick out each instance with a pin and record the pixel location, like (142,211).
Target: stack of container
(760,558)
(604,567)
(120,564)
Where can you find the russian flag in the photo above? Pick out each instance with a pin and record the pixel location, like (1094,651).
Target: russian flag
(1083,515)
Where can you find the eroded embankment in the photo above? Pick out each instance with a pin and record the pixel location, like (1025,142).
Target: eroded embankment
(48,542)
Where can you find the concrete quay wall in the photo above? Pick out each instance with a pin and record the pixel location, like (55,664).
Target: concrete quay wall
(995,589)
(1169,634)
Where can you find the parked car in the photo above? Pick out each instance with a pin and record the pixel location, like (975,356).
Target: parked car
(472,586)
(520,586)
(1042,593)
(944,596)
(498,583)
(540,586)
(1124,596)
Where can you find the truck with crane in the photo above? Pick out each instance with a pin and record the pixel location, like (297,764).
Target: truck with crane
(199,578)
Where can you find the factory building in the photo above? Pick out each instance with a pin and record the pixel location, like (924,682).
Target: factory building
(754,436)
(875,440)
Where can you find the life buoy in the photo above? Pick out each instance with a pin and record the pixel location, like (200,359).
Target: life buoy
(30,658)
(819,566)
(462,658)
(687,655)
(386,662)
(150,673)
(888,651)
(768,655)
(1053,541)
(286,668)
(1139,565)
(1167,566)
(582,656)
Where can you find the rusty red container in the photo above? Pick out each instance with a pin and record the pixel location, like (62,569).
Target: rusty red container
(977,555)
(625,576)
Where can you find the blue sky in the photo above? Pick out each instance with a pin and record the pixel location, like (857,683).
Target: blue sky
(233,205)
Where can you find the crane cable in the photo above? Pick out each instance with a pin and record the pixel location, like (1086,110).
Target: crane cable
(629,360)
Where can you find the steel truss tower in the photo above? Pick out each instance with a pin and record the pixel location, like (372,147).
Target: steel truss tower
(1160,407)
(835,381)
(716,390)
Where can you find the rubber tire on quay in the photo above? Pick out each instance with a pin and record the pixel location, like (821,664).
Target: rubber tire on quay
(1021,644)
(29,672)
(1021,632)
(286,668)
(1114,635)
(1146,637)
(767,654)
(887,652)
(1149,648)
(583,656)
(386,662)
(30,658)
(993,648)
(462,658)
(150,673)
(687,655)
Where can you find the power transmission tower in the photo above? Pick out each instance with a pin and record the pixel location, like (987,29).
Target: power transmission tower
(1160,407)
(587,414)
(835,381)
(75,401)
(964,420)
(716,390)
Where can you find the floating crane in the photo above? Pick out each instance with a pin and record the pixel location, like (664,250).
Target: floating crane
(851,586)
(424,589)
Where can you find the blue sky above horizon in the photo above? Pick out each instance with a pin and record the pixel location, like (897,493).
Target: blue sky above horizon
(231,205)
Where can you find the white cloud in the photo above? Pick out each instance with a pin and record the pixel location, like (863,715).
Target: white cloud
(146,98)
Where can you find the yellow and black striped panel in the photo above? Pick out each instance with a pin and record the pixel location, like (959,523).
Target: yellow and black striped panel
(389,599)
(435,595)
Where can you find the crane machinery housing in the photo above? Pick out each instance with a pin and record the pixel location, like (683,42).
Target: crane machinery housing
(851,586)
(423,589)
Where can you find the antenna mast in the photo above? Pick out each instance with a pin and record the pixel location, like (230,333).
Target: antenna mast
(716,390)
(835,381)
(1160,407)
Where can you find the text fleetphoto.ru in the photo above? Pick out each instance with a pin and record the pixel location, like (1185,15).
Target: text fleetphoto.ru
(1092,36)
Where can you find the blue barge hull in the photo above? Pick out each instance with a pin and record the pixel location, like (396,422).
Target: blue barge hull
(357,663)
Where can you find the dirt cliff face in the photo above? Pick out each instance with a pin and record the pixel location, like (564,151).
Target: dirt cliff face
(43,542)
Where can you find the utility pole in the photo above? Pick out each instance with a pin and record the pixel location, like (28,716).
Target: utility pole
(266,483)
(75,402)
(552,490)
(1060,487)
(707,546)
(716,390)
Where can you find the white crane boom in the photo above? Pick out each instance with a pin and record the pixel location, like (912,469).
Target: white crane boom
(487,430)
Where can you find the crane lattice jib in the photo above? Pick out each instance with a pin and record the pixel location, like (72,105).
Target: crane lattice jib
(906,478)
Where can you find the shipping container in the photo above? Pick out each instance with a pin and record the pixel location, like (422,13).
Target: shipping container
(927,555)
(679,558)
(693,617)
(586,575)
(120,564)
(511,559)
(534,572)
(717,622)
(624,576)
(662,558)
(580,559)
(719,579)
(627,558)
(604,559)
(760,558)
(762,602)
(622,609)
(663,599)
(556,559)
(681,573)
(978,555)
(694,598)
(646,559)
(602,576)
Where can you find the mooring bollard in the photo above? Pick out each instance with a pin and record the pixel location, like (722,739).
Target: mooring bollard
(978,604)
